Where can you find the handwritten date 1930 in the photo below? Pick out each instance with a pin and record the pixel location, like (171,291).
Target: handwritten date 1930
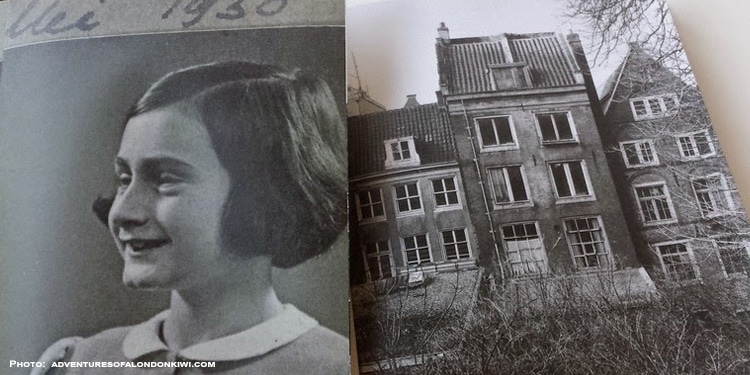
(235,10)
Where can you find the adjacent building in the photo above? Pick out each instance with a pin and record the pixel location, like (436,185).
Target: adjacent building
(407,195)
(680,201)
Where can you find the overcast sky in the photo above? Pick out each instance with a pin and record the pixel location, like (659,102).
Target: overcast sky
(393,41)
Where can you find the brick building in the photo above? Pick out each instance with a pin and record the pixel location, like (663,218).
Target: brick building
(408,203)
(680,201)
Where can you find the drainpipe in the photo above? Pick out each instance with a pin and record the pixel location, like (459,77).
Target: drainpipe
(487,210)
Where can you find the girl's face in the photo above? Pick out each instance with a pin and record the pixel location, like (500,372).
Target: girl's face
(167,214)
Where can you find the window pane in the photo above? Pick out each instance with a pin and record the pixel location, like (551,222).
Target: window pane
(422,241)
(646,153)
(502,125)
(563,126)
(497,178)
(400,191)
(547,128)
(701,140)
(579,179)
(414,203)
(654,106)
(452,198)
(640,108)
(405,154)
(487,133)
(561,180)
(396,151)
(440,200)
(631,154)
(412,189)
(437,185)
(686,145)
(516,183)
(385,266)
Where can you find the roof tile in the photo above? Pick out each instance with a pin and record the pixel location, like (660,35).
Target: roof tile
(428,125)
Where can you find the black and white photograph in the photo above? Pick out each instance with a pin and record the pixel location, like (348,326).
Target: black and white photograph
(537,188)
(174,188)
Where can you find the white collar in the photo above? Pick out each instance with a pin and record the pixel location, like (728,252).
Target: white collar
(258,340)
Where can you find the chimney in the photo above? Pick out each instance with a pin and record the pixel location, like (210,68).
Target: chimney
(443,32)
(411,101)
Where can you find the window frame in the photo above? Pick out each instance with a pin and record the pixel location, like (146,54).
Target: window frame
(456,191)
(571,123)
(512,203)
(571,185)
(498,147)
(390,160)
(691,257)
(377,255)
(360,206)
(694,145)
(639,153)
(519,71)
(723,190)
(396,199)
(665,110)
(542,268)
(607,256)
(746,247)
(405,250)
(445,245)
(670,205)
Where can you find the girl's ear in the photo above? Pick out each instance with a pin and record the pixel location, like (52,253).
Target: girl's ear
(101,207)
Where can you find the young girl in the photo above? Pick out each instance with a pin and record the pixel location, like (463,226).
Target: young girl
(224,170)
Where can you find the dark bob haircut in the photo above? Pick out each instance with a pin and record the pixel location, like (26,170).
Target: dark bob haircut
(280,136)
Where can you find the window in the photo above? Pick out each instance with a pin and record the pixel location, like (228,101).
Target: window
(713,195)
(417,250)
(508,185)
(587,242)
(400,150)
(378,260)
(445,192)
(695,145)
(639,153)
(556,127)
(510,76)
(455,244)
(496,133)
(735,258)
(570,179)
(525,249)
(370,204)
(677,261)
(407,198)
(401,153)
(655,204)
(653,107)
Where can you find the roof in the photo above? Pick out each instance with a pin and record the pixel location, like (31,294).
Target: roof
(428,125)
(639,74)
(611,84)
(464,63)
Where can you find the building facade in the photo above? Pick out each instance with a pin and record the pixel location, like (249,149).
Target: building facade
(682,206)
(540,193)
(407,195)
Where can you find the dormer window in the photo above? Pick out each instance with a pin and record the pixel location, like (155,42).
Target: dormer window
(510,76)
(653,106)
(400,152)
